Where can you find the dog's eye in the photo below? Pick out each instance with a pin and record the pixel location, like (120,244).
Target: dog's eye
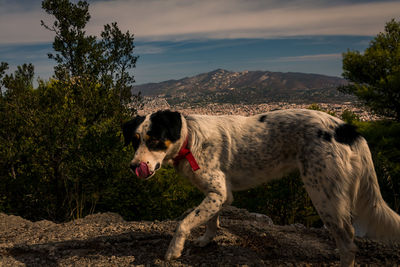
(152,141)
(136,141)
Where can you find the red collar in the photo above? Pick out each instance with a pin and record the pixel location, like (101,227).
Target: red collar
(186,153)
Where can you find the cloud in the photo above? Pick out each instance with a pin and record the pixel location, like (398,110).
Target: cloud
(218,19)
(317,57)
(186,19)
(147,49)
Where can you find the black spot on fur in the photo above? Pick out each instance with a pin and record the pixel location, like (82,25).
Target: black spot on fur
(165,125)
(205,145)
(155,144)
(328,196)
(262,118)
(128,130)
(346,134)
(325,135)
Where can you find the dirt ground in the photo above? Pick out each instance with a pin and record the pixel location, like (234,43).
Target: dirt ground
(244,239)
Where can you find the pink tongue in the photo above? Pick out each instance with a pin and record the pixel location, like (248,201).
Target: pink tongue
(143,170)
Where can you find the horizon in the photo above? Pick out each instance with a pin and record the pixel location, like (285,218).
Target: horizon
(175,40)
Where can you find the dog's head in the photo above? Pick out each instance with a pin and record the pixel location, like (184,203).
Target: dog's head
(154,138)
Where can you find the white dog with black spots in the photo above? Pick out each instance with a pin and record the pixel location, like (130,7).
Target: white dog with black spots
(221,154)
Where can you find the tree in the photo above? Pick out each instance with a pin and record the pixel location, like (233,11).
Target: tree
(374,75)
(60,143)
(82,58)
(118,56)
(90,95)
(21,80)
(17,127)
(70,43)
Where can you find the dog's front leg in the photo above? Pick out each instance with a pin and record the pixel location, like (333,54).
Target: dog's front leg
(212,226)
(211,231)
(208,208)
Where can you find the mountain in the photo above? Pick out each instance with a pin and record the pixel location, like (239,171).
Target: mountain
(222,86)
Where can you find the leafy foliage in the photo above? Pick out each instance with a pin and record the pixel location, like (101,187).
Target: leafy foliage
(284,200)
(317,107)
(60,143)
(21,80)
(375,74)
(117,49)
(349,116)
(166,195)
(3,68)
(73,46)
(81,57)
(56,154)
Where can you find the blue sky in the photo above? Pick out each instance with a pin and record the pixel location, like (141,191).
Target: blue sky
(179,38)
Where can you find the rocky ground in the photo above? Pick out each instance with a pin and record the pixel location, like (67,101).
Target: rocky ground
(245,239)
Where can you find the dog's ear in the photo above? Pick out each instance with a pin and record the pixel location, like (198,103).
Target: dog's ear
(166,124)
(128,128)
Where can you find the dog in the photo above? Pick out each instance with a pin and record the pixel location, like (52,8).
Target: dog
(221,154)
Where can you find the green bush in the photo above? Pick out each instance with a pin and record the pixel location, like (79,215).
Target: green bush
(164,196)
(56,153)
(284,200)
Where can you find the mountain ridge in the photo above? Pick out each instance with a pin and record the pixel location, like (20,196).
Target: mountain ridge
(223,86)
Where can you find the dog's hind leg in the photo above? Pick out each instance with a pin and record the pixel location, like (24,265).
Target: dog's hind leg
(206,211)
(334,209)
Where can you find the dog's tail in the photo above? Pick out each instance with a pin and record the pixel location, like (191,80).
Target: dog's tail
(373,218)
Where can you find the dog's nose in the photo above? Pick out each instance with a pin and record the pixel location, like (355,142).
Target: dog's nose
(158,165)
(133,166)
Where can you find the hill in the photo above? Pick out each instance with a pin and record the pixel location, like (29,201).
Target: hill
(222,86)
(244,239)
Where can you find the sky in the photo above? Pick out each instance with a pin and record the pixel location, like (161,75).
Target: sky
(181,38)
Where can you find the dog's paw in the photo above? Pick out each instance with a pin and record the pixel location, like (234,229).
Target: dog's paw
(172,255)
(202,241)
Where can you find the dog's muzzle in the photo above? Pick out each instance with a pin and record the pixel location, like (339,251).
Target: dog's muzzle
(142,170)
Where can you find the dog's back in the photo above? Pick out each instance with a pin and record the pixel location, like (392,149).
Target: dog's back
(261,147)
